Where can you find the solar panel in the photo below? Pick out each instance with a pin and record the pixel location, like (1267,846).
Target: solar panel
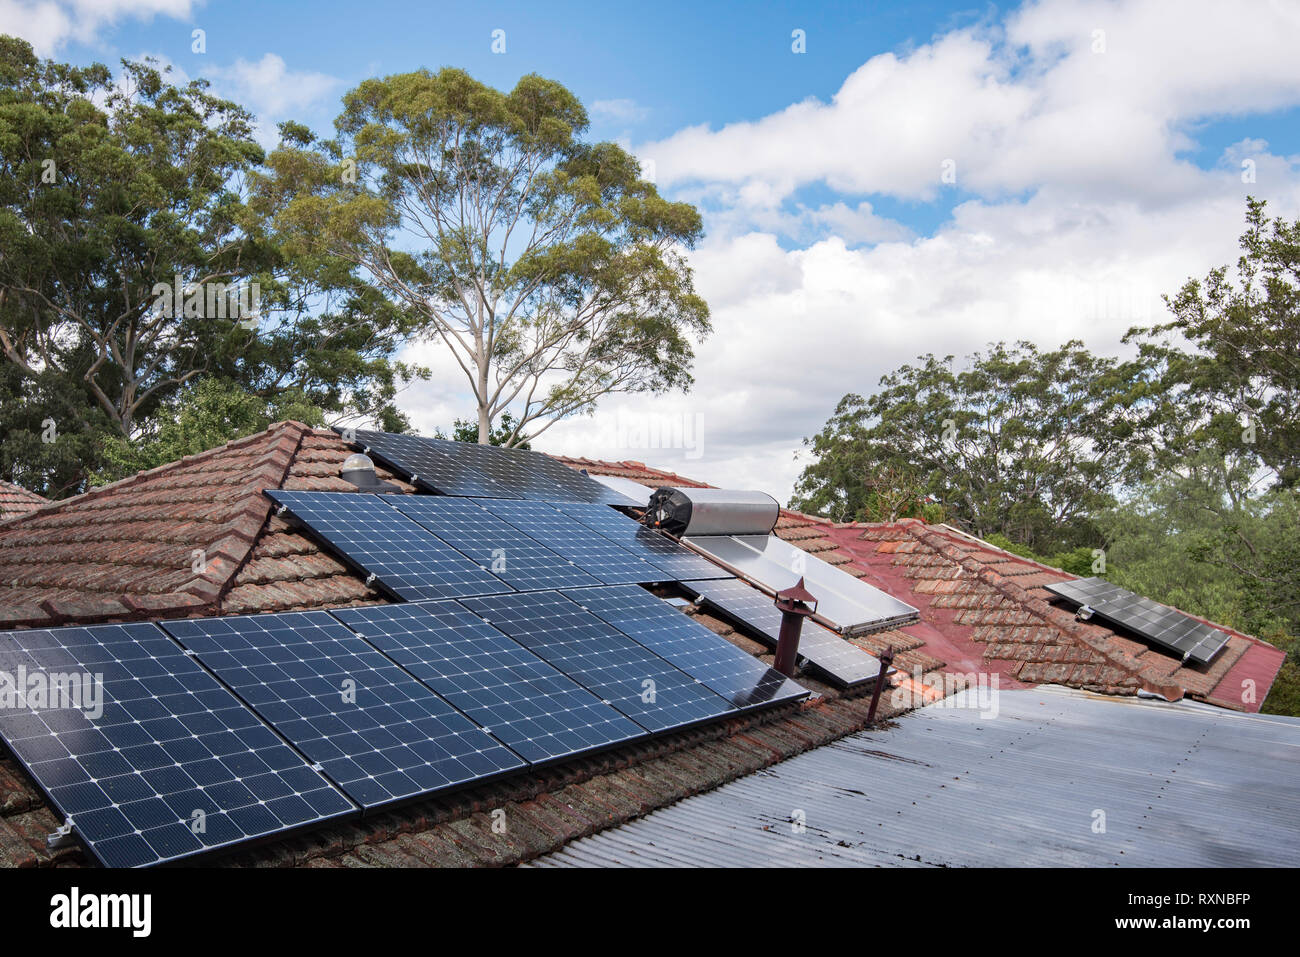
(1158,623)
(540,713)
(429,464)
(376,731)
(853,606)
(404,558)
(515,558)
(592,552)
(635,493)
(576,487)
(625,675)
(171,766)
(836,659)
(676,560)
(739,677)
(469,469)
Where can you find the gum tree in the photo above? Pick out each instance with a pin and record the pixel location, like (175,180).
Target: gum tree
(546,266)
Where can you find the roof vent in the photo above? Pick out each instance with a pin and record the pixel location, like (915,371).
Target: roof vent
(359,469)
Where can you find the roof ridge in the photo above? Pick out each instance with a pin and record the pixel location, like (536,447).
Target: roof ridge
(1151,681)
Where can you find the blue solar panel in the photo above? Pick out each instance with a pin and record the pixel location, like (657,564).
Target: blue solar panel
(634,680)
(466,468)
(404,558)
(173,765)
(739,677)
(380,734)
(512,556)
(837,659)
(541,714)
(592,552)
(677,562)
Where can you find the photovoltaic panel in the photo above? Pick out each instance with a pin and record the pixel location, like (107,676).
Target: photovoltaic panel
(376,731)
(576,486)
(541,714)
(172,765)
(469,469)
(853,606)
(739,677)
(515,558)
(589,550)
(625,675)
(404,558)
(1158,623)
(835,658)
(428,464)
(676,560)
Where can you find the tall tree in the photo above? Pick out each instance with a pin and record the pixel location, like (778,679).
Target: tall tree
(1020,442)
(548,268)
(100,204)
(1227,366)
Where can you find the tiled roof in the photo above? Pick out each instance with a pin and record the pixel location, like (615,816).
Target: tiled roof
(16,500)
(125,551)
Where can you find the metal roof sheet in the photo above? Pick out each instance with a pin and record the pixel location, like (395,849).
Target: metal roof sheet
(1180,785)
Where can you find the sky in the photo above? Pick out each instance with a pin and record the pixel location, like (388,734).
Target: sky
(877,181)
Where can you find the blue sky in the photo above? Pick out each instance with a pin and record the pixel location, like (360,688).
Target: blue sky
(1098,149)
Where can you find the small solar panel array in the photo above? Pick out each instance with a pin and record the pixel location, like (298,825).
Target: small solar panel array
(205,734)
(1165,626)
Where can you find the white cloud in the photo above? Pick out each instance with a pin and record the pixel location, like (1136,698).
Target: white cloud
(270,88)
(48,24)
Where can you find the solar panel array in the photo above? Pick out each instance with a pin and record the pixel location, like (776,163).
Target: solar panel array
(172,765)
(485,471)
(218,731)
(404,557)
(835,658)
(1165,626)
(852,606)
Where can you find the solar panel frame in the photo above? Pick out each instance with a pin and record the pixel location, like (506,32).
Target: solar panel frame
(595,554)
(382,736)
(676,637)
(538,712)
(851,606)
(521,562)
(677,562)
(833,657)
(404,558)
(175,765)
(1160,624)
(603,660)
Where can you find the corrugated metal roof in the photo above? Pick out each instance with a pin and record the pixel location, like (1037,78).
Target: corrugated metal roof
(1182,785)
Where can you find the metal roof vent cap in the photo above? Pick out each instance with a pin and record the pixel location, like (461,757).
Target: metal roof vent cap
(359,469)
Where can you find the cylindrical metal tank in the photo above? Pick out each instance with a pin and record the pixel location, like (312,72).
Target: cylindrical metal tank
(712,511)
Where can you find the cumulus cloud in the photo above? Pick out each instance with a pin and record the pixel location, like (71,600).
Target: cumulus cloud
(272,90)
(48,24)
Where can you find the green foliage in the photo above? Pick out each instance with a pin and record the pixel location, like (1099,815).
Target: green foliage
(505,433)
(549,269)
(1020,442)
(197,419)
